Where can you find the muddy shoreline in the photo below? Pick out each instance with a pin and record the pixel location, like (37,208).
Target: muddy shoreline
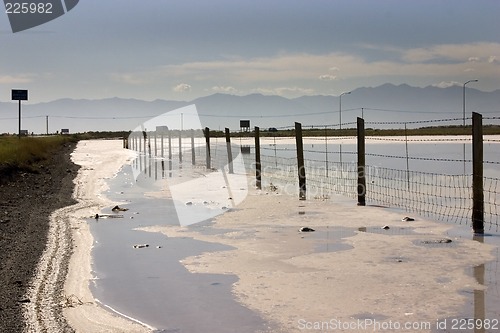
(27,199)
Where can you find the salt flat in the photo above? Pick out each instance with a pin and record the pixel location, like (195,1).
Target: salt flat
(293,279)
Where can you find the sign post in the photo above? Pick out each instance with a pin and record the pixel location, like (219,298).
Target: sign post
(19,95)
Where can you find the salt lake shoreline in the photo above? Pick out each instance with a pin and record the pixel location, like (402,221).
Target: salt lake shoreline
(69,232)
(368,277)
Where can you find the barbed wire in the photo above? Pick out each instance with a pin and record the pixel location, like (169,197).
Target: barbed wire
(415,121)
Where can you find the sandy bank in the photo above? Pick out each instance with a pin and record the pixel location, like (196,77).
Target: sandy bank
(69,233)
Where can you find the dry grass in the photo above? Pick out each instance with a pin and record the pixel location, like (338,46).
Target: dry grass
(23,152)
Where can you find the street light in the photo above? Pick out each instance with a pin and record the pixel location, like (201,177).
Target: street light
(340,107)
(340,129)
(464,96)
(463,104)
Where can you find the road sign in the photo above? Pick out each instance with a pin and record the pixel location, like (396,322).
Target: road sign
(19,95)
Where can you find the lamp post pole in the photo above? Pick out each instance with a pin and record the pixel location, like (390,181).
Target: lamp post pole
(340,130)
(463,105)
(340,107)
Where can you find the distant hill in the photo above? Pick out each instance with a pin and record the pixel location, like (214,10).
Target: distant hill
(385,103)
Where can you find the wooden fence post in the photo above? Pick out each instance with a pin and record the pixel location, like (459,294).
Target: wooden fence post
(180,146)
(193,156)
(207,142)
(155,145)
(258,166)
(149,144)
(477,174)
(361,162)
(170,150)
(229,152)
(161,144)
(300,161)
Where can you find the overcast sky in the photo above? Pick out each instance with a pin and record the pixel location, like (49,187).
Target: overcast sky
(184,49)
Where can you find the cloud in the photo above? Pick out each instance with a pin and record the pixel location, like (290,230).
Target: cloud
(228,89)
(291,74)
(9,79)
(446,84)
(282,91)
(493,60)
(439,61)
(327,77)
(183,87)
(472,52)
(279,68)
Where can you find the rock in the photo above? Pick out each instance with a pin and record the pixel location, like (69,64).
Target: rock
(111,216)
(306,229)
(437,241)
(189,203)
(118,209)
(386,227)
(407,219)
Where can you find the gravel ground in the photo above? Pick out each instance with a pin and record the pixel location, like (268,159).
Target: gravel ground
(27,198)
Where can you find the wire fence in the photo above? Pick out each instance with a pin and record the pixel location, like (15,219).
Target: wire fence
(430,176)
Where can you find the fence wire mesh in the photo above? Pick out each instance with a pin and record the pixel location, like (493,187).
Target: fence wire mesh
(331,168)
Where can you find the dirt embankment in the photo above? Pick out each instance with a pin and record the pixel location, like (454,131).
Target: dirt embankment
(27,198)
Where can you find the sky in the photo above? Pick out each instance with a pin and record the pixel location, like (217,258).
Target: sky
(185,49)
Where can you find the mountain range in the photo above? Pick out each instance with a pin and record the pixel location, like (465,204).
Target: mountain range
(385,103)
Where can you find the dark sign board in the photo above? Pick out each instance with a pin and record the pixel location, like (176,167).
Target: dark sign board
(245,149)
(19,95)
(245,123)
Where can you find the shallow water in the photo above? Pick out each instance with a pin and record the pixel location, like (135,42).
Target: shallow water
(150,284)
(482,305)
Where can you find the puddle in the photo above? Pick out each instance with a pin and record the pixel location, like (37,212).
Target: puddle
(150,284)
(482,307)
(393,231)
(167,296)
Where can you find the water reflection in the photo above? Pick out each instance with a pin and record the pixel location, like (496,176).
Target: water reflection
(479,294)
